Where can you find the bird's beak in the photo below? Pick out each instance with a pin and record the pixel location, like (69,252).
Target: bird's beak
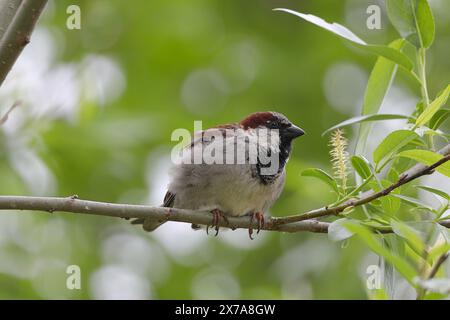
(293,132)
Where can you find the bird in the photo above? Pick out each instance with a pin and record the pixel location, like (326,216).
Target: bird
(247,180)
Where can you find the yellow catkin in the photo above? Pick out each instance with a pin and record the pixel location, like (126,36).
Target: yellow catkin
(339,157)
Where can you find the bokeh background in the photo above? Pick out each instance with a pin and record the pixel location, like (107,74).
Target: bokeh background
(100,104)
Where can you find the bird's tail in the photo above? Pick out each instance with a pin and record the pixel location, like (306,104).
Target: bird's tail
(148,224)
(152,224)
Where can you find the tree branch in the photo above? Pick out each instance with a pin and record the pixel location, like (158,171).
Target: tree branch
(17,23)
(434,270)
(407,176)
(290,224)
(438,264)
(4,118)
(8,9)
(128,211)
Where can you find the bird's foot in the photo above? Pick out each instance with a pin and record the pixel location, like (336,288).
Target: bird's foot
(259,216)
(217,215)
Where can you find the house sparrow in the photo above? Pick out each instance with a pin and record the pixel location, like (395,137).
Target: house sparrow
(247,180)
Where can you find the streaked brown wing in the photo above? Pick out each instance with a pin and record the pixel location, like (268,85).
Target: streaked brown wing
(169,199)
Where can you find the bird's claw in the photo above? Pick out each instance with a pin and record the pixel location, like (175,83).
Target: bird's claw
(217,215)
(259,216)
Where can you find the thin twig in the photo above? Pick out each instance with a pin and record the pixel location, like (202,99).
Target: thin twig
(407,176)
(440,261)
(4,118)
(18,33)
(438,264)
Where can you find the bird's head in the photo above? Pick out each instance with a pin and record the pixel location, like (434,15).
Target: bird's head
(275,121)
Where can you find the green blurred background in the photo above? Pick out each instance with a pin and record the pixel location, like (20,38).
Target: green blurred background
(100,104)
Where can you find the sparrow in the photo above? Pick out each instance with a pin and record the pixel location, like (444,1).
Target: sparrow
(243,175)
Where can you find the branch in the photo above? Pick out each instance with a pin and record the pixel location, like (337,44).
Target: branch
(438,264)
(161,214)
(407,176)
(296,223)
(18,22)
(128,211)
(434,269)
(4,118)
(8,9)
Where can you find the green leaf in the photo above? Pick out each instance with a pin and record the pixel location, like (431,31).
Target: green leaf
(412,236)
(378,85)
(366,118)
(334,27)
(425,23)
(361,166)
(413,201)
(389,203)
(438,250)
(389,53)
(337,232)
(439,118)
(444,232)
(322,175)
(400,14)
(437,192)
(428,158)
(413,19)
(433,107)
(402,266)
(385,51)
(396,245)
(429,132)
(393,175)
(392,143)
